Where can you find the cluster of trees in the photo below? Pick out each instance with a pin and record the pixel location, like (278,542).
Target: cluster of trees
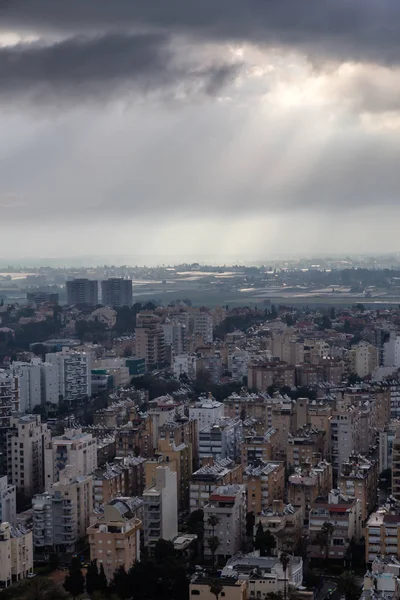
(161,574)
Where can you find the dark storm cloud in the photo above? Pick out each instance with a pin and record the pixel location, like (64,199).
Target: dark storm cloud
(341,29)
(80,66)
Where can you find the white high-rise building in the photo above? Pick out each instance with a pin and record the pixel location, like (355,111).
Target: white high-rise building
(26,442)
(184,364)
(391,351)
(30,383)
(8,507)
(222,439)
(76,449)
(50,378)
(75,377)
(174,336)
(160,510)
(206,411)
(9,397)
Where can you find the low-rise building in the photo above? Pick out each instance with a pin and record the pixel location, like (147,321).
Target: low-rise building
(233,588)
(359,479)
(114,539)
(383,533)
(306,484)
(284,521)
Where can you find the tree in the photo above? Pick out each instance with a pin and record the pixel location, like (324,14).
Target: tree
(92,575)
(250,522)
(216,587)
(213,544)
(347,586)
(54,561)
(121,585)
(285,560)
(74,582)
(264,541)
(41,588)
(163,550)
(324,536)
(102,582)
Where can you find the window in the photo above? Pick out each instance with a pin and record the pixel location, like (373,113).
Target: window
(195,593)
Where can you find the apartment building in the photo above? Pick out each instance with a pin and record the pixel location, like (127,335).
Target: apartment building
(161,410)
(308,445)
(210,476)
(16,554)
(26,441)
(383,533)
(203,326)
(114,539)
(149,340)
(30,384)
(261,376)
(222,439)
(284,521)
(116,292)
(246,405)
(345,436)
(10,392)
(181,430)
(228,503)
(306,484)
(359,479)
(74,448)
(265,482)
(75,378)
(61,515)
(206,411)
(82,291)
(174,337)
(184,364)
(124,477)
(363,359)
(8,506)
(256,447)
(344,514)
(160,510)
(385,445)
(396,466)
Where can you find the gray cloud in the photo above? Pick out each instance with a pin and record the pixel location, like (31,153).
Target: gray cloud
(80,67)
(343,29)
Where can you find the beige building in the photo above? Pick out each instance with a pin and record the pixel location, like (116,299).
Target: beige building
(149,340)
(308,445)
(26,442)
(306,484)
(258,447)
(285,522)
(363,359)
(124,477)
(212,474)
(382,537)
(114,538)
(232,588)
(261,376)
(359,479)
(265,483)
(16,554)
(396,466)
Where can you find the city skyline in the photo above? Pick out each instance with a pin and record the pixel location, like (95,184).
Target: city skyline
(227,130)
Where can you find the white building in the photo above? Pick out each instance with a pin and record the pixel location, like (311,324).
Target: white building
(30,384)
(105,315)
(76,449)
(184,364)
(386,438)
(203,325)
(174,336)
(16,554)
(8,507)
(228,504)
(206,411)
(50,377)
(238,362)
(75,380)
(9,397)
(222,439)
(345,427)
(160,510)
(26,442)
(61,515)
(363,359)
(264,574)
(391,351)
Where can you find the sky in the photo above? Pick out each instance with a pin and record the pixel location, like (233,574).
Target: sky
(188,128)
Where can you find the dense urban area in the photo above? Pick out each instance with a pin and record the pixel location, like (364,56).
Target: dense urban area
(154,447)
